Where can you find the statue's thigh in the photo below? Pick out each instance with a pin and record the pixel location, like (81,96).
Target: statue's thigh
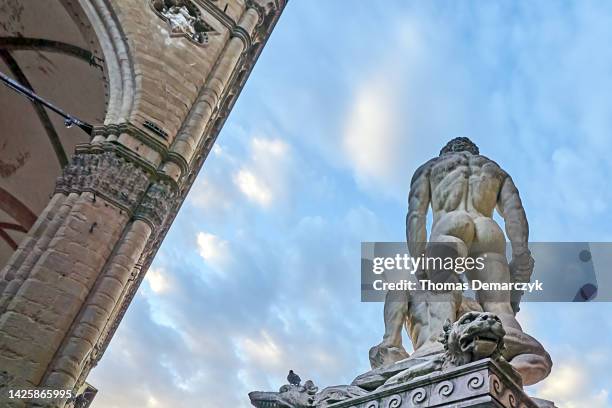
(496,301)
(495,268)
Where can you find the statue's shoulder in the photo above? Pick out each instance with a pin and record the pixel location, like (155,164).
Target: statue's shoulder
(491,164)
(423,169)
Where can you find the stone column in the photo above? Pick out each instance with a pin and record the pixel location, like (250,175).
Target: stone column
(54,291)
(85,330)
(188,138)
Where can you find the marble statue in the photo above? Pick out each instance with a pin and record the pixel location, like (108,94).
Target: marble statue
(471,351)
(181,21)
(463,188)
(184,19)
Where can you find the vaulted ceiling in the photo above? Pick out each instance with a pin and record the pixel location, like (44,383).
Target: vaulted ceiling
(48,47)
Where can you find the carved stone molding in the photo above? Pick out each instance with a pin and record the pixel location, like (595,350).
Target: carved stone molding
(106,174)
(184,19)
(156,204)
(149,138)
(83,399)
(419,396)
(395,401)
(145,136)
(483,383)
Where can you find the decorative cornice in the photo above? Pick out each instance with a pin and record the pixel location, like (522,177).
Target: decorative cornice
(482,380)
(153,142)
(148,139)
(121,151)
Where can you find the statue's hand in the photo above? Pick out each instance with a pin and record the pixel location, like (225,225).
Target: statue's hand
(521,266)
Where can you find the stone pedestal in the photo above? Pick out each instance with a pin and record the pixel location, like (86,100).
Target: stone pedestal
(478,384)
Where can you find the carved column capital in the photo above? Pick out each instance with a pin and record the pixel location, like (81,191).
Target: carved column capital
(157,203)
(105,174)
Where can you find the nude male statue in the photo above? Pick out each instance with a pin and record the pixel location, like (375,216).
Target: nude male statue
(463,189)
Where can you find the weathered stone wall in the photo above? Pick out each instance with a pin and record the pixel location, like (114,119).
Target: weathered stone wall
(168,70)
(66,288)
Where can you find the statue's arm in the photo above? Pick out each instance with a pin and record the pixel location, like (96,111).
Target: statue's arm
(418,202)
(511,209)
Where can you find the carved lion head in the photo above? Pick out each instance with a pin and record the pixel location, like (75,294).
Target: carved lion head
(476,335)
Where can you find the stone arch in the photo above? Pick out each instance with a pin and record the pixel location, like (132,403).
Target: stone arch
(111,39)
(73,55)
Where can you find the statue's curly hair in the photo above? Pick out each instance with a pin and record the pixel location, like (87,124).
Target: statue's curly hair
(460,144)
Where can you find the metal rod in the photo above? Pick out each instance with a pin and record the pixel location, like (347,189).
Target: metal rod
(69,120)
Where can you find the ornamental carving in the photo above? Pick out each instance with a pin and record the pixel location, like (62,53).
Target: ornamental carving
(157,203)
(84,399)
(395,401)
(419,396)
(105,174)
(183,19)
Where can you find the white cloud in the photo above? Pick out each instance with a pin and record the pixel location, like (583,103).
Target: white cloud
(406,106)
(214,198)
(567,381)
(370,136)
(264,179)
(157,280)
(261,352)
(254,188)
(598,400)
(213,250)
(152,402)
(263,149)
(570,385)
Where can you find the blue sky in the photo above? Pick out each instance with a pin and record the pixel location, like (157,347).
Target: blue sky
(260,271)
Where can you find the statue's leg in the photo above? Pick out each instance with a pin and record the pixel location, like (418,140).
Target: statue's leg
(527,356)
(523,352)
(391,350)
(396,307)
(428,311)
(495,301)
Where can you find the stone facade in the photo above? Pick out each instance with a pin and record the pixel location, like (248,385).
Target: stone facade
(173,72)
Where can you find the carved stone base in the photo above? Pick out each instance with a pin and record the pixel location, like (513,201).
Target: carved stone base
(478,384)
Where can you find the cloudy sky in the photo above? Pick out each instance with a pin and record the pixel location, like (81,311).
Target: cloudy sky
(260,271)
